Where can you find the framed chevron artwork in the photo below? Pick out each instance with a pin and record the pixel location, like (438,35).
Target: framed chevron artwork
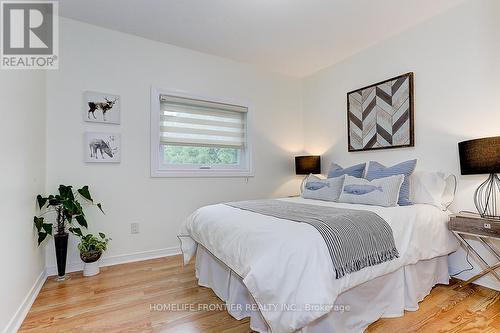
(380,116)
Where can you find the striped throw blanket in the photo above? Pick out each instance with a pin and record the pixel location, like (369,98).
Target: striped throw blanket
(355,238)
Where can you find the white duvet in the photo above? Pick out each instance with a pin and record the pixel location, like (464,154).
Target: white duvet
(286,265)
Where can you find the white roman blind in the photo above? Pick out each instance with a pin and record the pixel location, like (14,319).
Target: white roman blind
(186,121)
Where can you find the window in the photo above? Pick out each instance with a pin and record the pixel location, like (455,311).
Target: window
(198,137)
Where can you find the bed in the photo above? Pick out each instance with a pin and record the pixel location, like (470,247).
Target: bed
(279,272)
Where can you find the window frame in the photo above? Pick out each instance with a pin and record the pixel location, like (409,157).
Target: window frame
(158,169)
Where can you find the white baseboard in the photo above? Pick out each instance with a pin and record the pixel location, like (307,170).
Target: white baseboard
(119,259)
(18,318)
(485,281)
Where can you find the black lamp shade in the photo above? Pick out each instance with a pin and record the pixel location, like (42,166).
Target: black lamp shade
(480,156)
(305,165)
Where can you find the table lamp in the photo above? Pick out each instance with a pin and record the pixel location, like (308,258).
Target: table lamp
(305,165)
(482,156)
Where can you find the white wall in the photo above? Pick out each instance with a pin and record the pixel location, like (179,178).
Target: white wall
(97,59)
(455,58)
(22,177)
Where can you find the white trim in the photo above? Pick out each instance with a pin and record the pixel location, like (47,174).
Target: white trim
(21,313)
(201,173)
(119,259)
(156,170)
(485,281)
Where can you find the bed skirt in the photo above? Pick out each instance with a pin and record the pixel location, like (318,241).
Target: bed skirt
(386,296)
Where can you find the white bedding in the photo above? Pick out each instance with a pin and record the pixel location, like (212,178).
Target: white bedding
(285,263)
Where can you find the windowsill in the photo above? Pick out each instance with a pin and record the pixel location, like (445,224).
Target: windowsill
(200,173)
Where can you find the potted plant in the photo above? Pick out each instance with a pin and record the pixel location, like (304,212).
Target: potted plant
(66,209)
(91,248)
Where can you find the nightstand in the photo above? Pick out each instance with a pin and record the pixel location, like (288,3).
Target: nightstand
(482,229)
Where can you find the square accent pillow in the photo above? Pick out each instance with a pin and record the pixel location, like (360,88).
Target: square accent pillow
(378,192)
(323,189)
(432,188)
(377,170)
(357,170)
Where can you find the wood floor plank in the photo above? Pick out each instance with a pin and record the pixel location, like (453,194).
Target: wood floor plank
(122,298)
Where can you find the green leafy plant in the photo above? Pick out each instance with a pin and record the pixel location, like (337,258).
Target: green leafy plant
(91,243)
(67,209)
(91,247)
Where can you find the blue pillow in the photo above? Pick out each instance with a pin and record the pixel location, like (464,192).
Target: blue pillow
(357,170)
(377,170)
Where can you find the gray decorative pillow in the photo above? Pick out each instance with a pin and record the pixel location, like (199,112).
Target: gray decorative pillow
(378,192)
(323,189)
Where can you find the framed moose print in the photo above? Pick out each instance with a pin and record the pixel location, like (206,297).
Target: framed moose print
(101,107)
(380,116)
(102,147)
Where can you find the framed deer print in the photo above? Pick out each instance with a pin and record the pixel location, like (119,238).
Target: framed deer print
(380,116)
(101,107)
(102,147)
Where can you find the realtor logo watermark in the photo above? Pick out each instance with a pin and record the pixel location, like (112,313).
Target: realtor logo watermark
(30,35)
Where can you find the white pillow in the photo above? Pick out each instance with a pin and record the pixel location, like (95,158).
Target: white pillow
(432,188)
(450,189)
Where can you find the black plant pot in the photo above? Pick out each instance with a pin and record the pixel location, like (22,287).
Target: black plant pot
(61,243)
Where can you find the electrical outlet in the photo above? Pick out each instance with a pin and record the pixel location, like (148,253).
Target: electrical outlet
(487,226)
(134,228)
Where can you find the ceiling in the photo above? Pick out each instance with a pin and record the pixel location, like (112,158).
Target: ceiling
(293,37)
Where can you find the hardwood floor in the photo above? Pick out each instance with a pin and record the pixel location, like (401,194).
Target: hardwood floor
(120,300)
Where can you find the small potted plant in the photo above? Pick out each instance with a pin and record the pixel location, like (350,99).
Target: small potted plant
(66,212)
(91,248)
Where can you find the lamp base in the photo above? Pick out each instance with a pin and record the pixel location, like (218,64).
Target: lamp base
(487,198)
